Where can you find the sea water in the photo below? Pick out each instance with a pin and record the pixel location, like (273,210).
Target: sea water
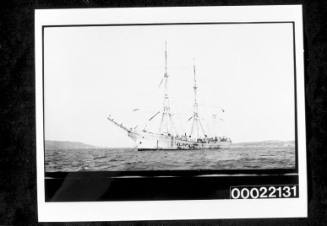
(237,156)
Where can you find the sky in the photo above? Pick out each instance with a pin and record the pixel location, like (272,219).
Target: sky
(246,69)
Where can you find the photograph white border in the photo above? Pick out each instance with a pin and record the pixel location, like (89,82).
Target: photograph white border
(166,210)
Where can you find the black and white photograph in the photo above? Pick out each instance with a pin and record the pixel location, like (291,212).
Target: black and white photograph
(157,113)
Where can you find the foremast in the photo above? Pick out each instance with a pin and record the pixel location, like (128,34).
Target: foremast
(166,123)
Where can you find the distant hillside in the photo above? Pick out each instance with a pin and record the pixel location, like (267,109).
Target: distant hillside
(53,145)
(273,143)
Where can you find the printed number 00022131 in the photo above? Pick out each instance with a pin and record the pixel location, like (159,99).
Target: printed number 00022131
(264,192)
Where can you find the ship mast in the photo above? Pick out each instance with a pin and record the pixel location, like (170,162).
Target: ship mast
(166,123)
(196,123)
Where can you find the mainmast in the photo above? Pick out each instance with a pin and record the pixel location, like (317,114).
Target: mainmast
(166,123)
(196,124)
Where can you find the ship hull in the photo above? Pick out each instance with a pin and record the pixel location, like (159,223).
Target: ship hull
(147,141)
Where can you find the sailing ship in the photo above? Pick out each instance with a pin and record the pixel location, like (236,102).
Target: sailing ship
(166,137)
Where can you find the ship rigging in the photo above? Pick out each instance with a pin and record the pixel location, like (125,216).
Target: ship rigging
(167,138)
